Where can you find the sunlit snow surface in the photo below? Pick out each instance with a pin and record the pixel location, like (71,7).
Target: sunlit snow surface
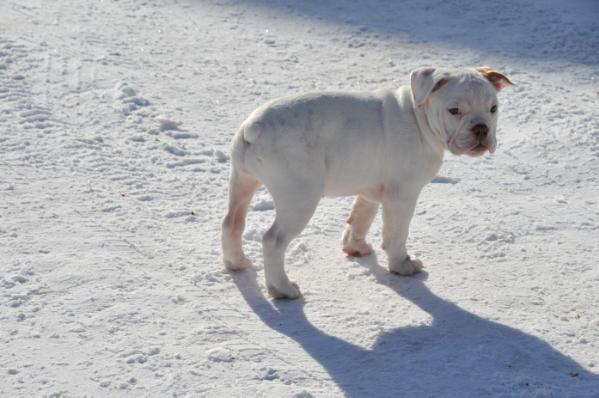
(115,122)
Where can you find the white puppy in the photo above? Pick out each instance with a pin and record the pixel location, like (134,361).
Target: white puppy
(382,146)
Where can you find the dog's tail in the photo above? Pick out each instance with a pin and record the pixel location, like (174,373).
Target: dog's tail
(242,142)
(257,123)
(238,147)
(251,130)
(247,137)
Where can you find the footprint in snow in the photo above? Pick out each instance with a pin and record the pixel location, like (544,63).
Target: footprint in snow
(166,124)
(220,354)
(173,150)
(126,98)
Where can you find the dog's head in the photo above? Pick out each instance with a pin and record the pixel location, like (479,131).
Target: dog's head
(460,106)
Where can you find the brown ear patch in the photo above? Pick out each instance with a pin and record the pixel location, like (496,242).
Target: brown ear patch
(497,79)
(439,84)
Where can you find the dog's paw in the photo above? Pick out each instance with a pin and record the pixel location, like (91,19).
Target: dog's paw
(290,291)
(237,264)
(355,248)
(406,267)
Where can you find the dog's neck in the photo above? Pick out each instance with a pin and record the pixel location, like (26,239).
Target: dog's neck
(431,138)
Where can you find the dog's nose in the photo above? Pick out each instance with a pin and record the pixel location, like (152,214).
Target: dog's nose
(480,130)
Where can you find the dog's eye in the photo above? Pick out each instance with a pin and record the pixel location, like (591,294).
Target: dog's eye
(453,111)
(494,109)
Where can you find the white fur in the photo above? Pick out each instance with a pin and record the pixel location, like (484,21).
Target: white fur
(382,146)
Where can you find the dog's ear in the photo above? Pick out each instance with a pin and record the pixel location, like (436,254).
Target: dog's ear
(497,79)
(424,82)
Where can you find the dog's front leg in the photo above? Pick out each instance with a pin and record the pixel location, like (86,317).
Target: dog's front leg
(397,213)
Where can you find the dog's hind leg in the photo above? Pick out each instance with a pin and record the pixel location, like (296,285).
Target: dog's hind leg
(294,209)
(242,187)
(354,237)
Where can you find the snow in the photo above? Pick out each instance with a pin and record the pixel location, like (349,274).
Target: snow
(115,122)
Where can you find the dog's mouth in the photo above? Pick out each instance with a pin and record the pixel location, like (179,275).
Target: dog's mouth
(477,150)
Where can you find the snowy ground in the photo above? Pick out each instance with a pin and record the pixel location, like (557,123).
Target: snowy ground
(115,118)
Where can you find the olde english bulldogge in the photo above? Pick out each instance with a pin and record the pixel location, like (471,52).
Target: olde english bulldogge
(383,147)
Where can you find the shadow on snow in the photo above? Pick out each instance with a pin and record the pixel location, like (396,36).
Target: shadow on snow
(548,31)
(459,354)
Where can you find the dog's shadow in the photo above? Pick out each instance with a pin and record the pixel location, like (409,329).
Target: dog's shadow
(458,355)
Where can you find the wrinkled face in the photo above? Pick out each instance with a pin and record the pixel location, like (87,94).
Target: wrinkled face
(465,110)
(460,106)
